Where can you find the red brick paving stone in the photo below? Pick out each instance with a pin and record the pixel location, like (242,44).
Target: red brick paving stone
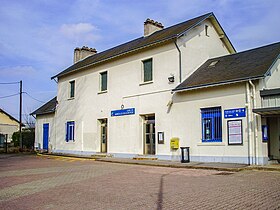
(116,186)
(15,180)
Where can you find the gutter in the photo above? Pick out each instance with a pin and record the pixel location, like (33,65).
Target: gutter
(180,60)
(255,120)
(248,105)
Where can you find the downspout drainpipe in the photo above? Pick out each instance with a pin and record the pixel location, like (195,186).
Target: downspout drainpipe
(249,121)
(180,61)
(255,120)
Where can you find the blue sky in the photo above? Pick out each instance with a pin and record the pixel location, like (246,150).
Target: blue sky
(38,37)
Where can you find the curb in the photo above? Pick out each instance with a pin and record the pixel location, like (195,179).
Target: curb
(247,168)
(65,156)
(174,166)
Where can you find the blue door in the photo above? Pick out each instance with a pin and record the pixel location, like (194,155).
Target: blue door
(46,136)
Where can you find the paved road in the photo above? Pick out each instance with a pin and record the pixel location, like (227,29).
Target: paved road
(32,182)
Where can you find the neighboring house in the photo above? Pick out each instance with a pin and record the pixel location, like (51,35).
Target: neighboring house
(184,82)
(44,127)
(8,125)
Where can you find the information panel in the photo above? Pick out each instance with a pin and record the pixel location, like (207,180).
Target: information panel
(122,112)
(235,132)
(235,113)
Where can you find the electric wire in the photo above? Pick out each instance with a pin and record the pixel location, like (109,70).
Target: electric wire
(8,96)
(8,83)
(33,98)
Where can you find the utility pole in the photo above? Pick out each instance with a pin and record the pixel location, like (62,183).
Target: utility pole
(20,115)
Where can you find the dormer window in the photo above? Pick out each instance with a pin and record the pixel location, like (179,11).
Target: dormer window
(213,64)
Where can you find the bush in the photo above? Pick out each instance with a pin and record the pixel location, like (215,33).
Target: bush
(28,138)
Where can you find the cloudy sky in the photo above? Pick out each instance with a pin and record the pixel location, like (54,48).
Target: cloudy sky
(37,37)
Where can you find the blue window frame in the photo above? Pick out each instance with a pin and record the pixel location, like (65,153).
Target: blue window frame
(211,119)
(70,131)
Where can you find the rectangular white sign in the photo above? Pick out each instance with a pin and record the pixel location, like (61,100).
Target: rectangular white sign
(235,132)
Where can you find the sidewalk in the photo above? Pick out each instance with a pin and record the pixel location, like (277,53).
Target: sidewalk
(176,164)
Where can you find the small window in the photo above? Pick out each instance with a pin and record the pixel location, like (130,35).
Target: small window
(103,81)
(72,89)
(206,30)
(148,70)
(70,131)
(211,119)
(213,64)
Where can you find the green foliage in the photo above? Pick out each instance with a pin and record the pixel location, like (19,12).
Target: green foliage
(28,138)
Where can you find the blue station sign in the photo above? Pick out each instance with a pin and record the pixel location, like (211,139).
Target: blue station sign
(235,113)
(122,112)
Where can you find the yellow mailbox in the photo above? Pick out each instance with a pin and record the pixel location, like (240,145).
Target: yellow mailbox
(174,143)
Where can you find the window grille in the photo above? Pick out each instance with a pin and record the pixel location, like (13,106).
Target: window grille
(70,131)
(211,119)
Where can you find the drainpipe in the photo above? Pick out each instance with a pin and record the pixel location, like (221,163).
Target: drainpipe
(255,120)
(248,104)
(180,61)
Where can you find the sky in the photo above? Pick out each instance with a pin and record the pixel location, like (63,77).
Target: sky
(38,37)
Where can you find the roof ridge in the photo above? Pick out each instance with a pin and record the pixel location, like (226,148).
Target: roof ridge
(143,37)
(275,43)
(207,14)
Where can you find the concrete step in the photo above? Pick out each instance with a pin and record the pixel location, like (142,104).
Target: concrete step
(273,162)
(144,158)
(101,155)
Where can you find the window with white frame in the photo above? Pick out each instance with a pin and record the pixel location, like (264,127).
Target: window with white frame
(148,70)
(103,81)
(211,119)
(70,131)
(72,89)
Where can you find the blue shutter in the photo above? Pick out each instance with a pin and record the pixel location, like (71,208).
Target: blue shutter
(66,132)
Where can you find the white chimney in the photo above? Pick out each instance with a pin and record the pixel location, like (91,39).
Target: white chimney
(81,53)
(151,26)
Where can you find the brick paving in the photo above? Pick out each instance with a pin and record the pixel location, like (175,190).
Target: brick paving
(32,182)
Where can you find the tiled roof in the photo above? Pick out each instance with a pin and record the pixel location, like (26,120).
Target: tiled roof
(47,108)
(160,36)
(245,65)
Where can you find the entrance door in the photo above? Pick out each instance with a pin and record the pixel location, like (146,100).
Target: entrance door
(46,136)
(274,138)
(103,136)
(149,135)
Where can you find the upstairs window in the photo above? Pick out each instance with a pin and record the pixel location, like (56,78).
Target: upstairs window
(70,131)
(211,119)
(72,89)
(103,81)
(148,70)
(206,30)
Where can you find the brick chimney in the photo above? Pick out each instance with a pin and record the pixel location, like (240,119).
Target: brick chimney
(81,53)
(151,26)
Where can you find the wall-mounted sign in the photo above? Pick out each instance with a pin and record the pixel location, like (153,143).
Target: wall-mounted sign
(265,133)
(235,113)
(235,132)
(161,137)
(122,112)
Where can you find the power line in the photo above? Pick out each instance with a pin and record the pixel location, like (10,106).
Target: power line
(33,98)
(8,83)
(9,95)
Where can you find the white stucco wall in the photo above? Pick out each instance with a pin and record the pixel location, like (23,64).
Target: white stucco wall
(125,87)
(40,121)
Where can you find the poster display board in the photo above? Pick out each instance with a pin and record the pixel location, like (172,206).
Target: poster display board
(235,136)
